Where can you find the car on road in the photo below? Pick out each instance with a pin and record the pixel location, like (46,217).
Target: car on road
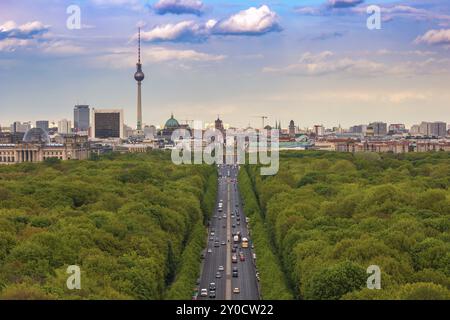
(216,244)
(211,238)
(224,216)
(204,293)
(238,223)
(209,250)
(221,268)
(212,294)
(234,226)
(235,272)
(242,257)
(212,286)
(233,249)
(234,259)
(236,290)
(223,243)
(218,275)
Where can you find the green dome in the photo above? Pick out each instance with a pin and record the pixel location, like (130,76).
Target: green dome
(172,123)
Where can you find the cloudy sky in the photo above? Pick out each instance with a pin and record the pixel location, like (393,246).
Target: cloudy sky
(314,61)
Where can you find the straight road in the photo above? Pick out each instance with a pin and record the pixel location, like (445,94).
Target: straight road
(226,221)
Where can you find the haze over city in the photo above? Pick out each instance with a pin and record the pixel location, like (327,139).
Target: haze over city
(312,61)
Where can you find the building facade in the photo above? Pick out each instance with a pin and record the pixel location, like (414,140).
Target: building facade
(36,147)
(379,128)
(43,124)
(81,118)
(64,126)
(108,123)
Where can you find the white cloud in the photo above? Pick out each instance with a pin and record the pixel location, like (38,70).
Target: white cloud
(253,21)
(120,58)
(60,47)
(181,31)
(435,37)
(407,96)
(11,45)
(29,30)
(14,36)
(343,3)
(325,63)
(405,11)
(130,4)
(179,7)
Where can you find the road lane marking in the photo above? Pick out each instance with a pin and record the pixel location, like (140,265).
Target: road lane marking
(228,263)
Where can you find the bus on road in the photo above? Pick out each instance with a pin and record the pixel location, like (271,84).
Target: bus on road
(244,243)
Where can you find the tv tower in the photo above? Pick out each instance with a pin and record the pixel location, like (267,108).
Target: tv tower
(139,77)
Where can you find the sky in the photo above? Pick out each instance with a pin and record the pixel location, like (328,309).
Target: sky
(313,61)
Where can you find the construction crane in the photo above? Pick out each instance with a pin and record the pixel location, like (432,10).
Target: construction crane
(263,118)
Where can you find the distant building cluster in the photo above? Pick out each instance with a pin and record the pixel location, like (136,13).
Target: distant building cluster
(381,137)
(97,131)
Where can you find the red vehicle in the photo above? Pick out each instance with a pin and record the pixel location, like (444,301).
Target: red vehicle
(242,257)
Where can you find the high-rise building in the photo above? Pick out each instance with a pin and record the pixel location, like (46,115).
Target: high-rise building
(139,77)
(396,128)
(81,118)
(42,124)
(107,123)
(379,128)
(319,130)
(439,129)
(64,126)
(436,129)
(362,128)
(17,126)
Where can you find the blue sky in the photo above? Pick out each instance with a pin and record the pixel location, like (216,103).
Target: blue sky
(312,61)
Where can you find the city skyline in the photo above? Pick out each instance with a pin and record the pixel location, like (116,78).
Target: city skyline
(208,61)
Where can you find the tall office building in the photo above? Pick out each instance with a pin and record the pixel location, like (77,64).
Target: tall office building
(107,123)
(439,129)
(64,126)
(319,130)
(17,126)
(42,124)
(81,118)
(379,128)
(139,77)
(362,128)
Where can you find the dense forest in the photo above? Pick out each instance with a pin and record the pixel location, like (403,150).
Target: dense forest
(329,216)
(134,224)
